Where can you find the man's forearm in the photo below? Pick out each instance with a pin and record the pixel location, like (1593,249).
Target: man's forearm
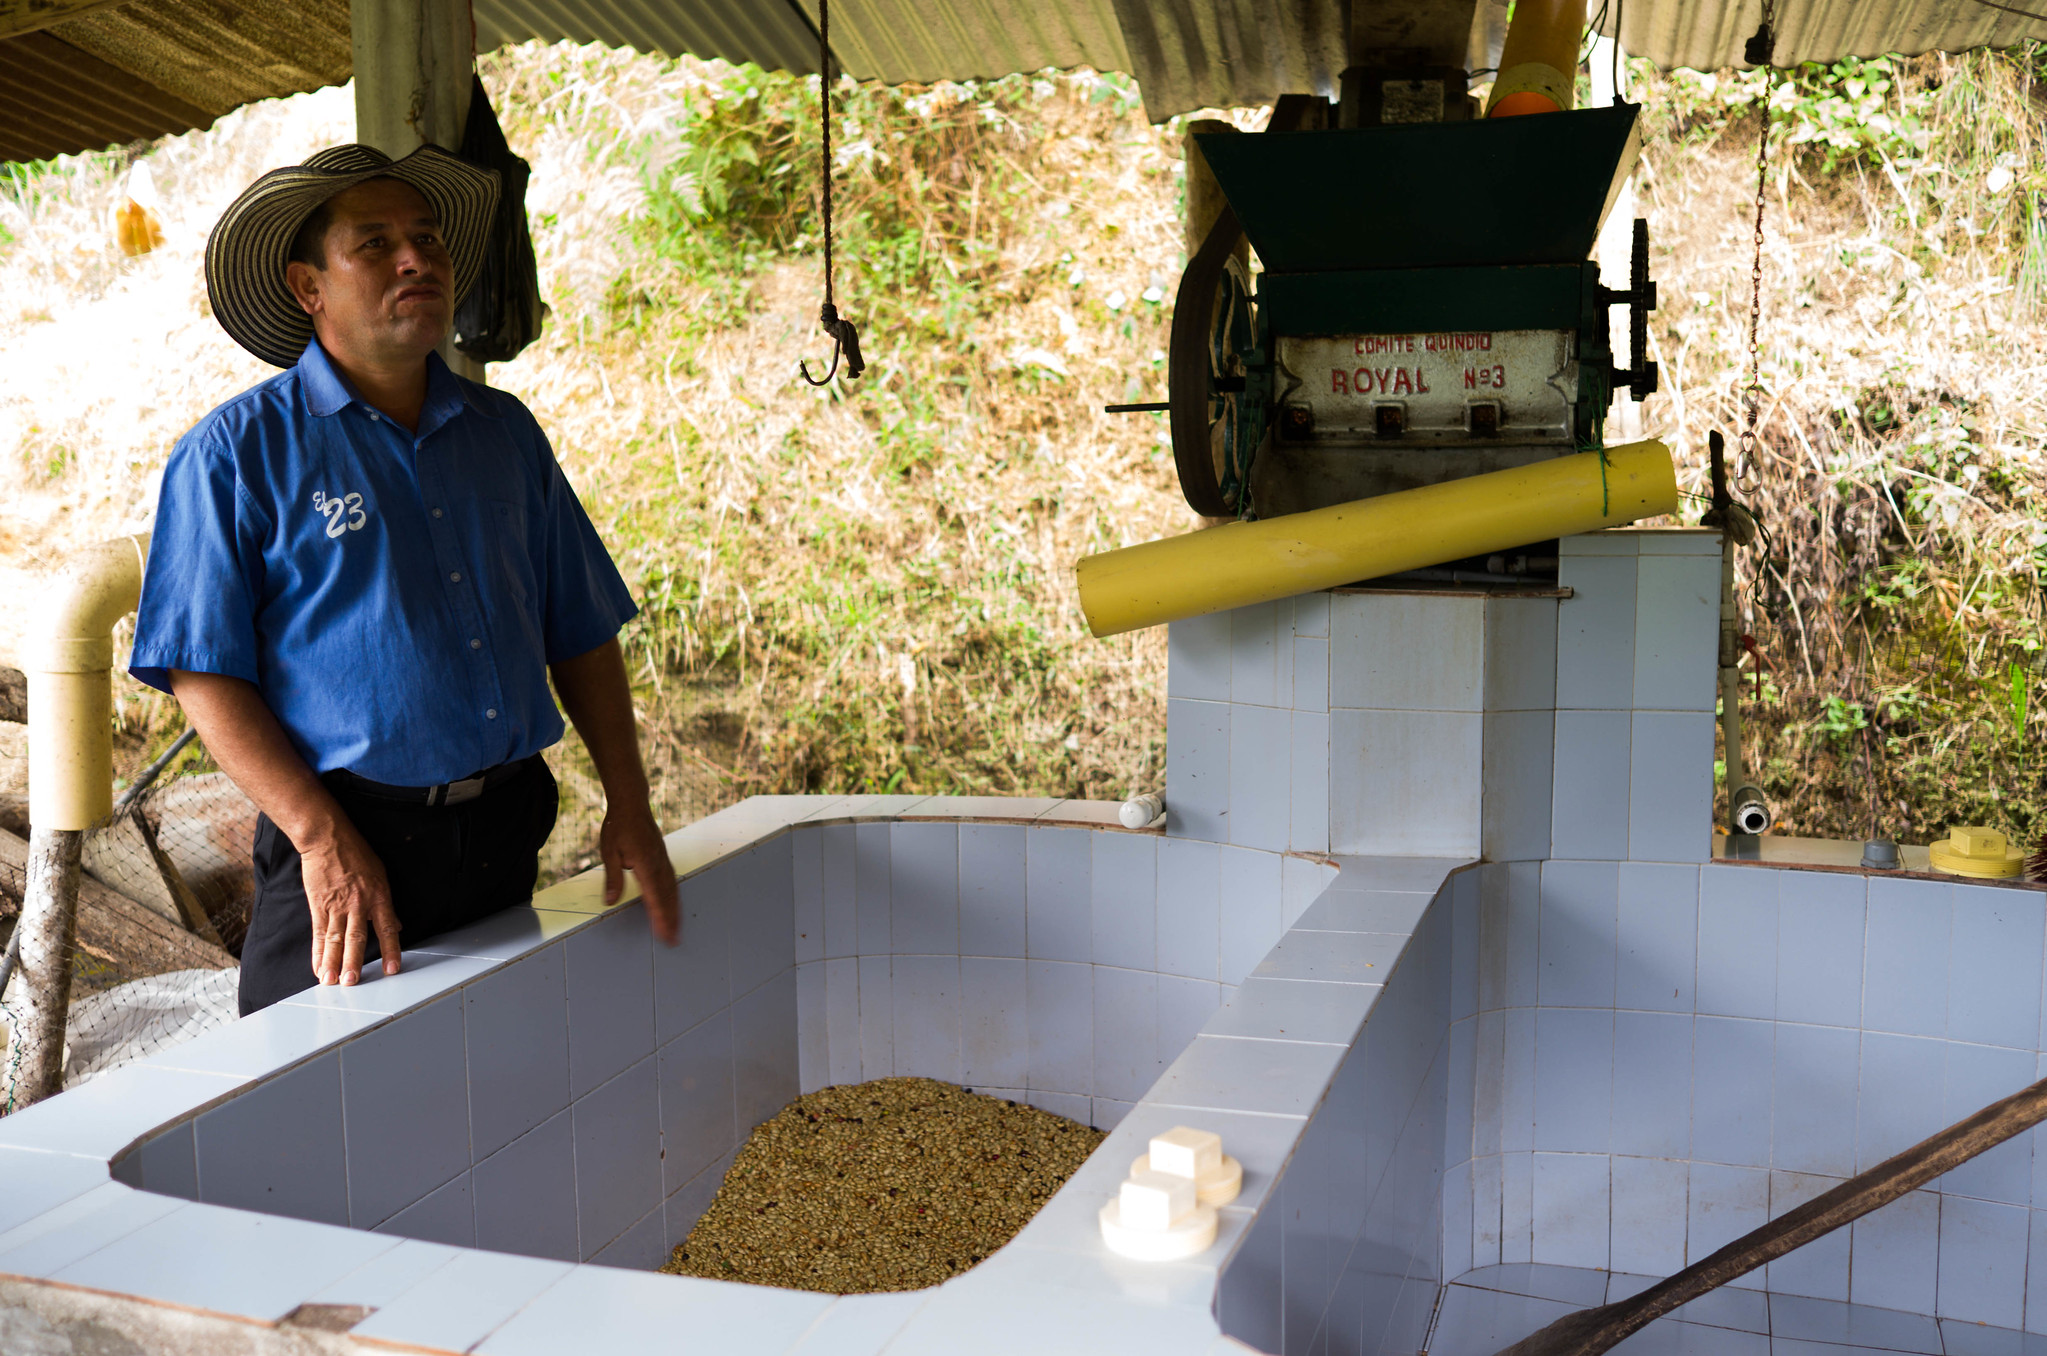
(599,701)
(243,736)
(593,688)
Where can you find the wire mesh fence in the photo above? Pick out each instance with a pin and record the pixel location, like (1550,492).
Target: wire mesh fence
(164,890)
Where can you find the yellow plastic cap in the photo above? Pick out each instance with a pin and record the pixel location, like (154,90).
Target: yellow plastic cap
(1971,850)
(1976,842)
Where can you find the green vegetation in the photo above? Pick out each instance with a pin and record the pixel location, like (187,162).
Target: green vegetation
(1897,597)
(867,586)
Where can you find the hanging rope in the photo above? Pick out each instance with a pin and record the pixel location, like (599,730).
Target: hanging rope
(1747,475)
(845,339)
(1620,12)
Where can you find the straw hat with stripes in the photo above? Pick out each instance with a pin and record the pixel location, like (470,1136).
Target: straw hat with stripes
(251,244)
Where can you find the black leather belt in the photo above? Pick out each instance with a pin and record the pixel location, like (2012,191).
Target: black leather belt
(447,793)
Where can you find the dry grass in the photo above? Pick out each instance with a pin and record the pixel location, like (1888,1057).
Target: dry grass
(1902,427)
(869,586)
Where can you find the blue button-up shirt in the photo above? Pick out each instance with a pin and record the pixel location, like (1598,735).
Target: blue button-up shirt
(395,598)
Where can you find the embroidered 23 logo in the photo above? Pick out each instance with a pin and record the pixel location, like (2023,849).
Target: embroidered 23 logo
(344,511)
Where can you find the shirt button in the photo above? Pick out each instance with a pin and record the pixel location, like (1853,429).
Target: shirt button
(437,513)
(455,578)
(475,644)
(491,714)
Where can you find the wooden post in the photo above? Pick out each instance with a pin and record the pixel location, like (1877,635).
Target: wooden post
(414,62)
(49,927)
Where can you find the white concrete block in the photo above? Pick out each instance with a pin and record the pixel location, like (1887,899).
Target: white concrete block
(1153,1200)
(1186,1152)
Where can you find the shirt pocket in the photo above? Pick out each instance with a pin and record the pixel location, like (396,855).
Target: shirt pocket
(514,551)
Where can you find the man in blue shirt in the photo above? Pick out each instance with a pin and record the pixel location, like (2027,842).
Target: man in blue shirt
(363,574)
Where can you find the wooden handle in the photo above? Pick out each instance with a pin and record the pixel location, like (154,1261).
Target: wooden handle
(1590,1332)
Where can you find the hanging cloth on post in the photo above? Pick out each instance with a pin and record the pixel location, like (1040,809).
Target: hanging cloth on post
(845,339)
(503,312)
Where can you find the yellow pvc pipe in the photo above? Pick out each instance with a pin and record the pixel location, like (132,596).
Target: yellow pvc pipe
(1239,564)
(1539,60)
(69,661)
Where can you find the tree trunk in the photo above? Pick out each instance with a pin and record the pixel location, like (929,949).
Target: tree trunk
(49,927)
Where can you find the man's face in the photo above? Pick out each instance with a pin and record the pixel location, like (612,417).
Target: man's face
(386,295)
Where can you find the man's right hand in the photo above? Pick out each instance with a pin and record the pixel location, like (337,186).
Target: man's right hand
(345,885)
(349,898)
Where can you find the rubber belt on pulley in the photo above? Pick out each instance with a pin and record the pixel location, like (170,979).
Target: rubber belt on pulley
(1187,369)
(1187,366)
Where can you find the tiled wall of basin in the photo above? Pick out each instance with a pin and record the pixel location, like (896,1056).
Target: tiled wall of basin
(578,1103)
(1648,1060)
(1062,965)
(362,1147)
(1643,1053)
(1351,1260)
(584,1101)
(1451,723)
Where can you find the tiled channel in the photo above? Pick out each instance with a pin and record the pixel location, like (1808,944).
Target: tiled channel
(1463,1090)
(472,1147)
(1494,1307)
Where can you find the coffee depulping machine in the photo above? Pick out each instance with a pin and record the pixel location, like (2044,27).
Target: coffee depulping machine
(1415,386)
(1400,339)
(1419,375)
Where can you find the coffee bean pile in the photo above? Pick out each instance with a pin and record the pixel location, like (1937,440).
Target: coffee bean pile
(895,1184)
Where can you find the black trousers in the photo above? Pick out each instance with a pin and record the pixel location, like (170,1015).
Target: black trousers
(448,866)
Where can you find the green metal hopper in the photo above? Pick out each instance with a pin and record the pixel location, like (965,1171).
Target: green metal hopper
(1510,191)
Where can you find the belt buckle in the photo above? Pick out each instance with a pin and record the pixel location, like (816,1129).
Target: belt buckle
(467,789)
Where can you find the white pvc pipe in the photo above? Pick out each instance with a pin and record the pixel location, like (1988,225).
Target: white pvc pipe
(69,659)
(1140,811)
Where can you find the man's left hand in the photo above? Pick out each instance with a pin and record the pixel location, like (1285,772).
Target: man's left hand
(594,690)
(631,841)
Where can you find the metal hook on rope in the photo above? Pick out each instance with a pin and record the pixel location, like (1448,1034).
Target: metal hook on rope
(845,339)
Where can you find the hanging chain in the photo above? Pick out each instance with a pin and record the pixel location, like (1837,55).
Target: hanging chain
(845,339)
(1746,471)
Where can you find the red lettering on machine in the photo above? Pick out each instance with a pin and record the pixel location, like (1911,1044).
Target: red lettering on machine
(1389,381)
(1477,341)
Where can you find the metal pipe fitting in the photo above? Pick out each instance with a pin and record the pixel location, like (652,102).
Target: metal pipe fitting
(1749,810)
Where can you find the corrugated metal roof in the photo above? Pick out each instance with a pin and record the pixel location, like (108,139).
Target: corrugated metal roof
(56,98)
(916,40)
(149,67)
(126,72)
(770,33)
(1709,36)
(1232,53)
